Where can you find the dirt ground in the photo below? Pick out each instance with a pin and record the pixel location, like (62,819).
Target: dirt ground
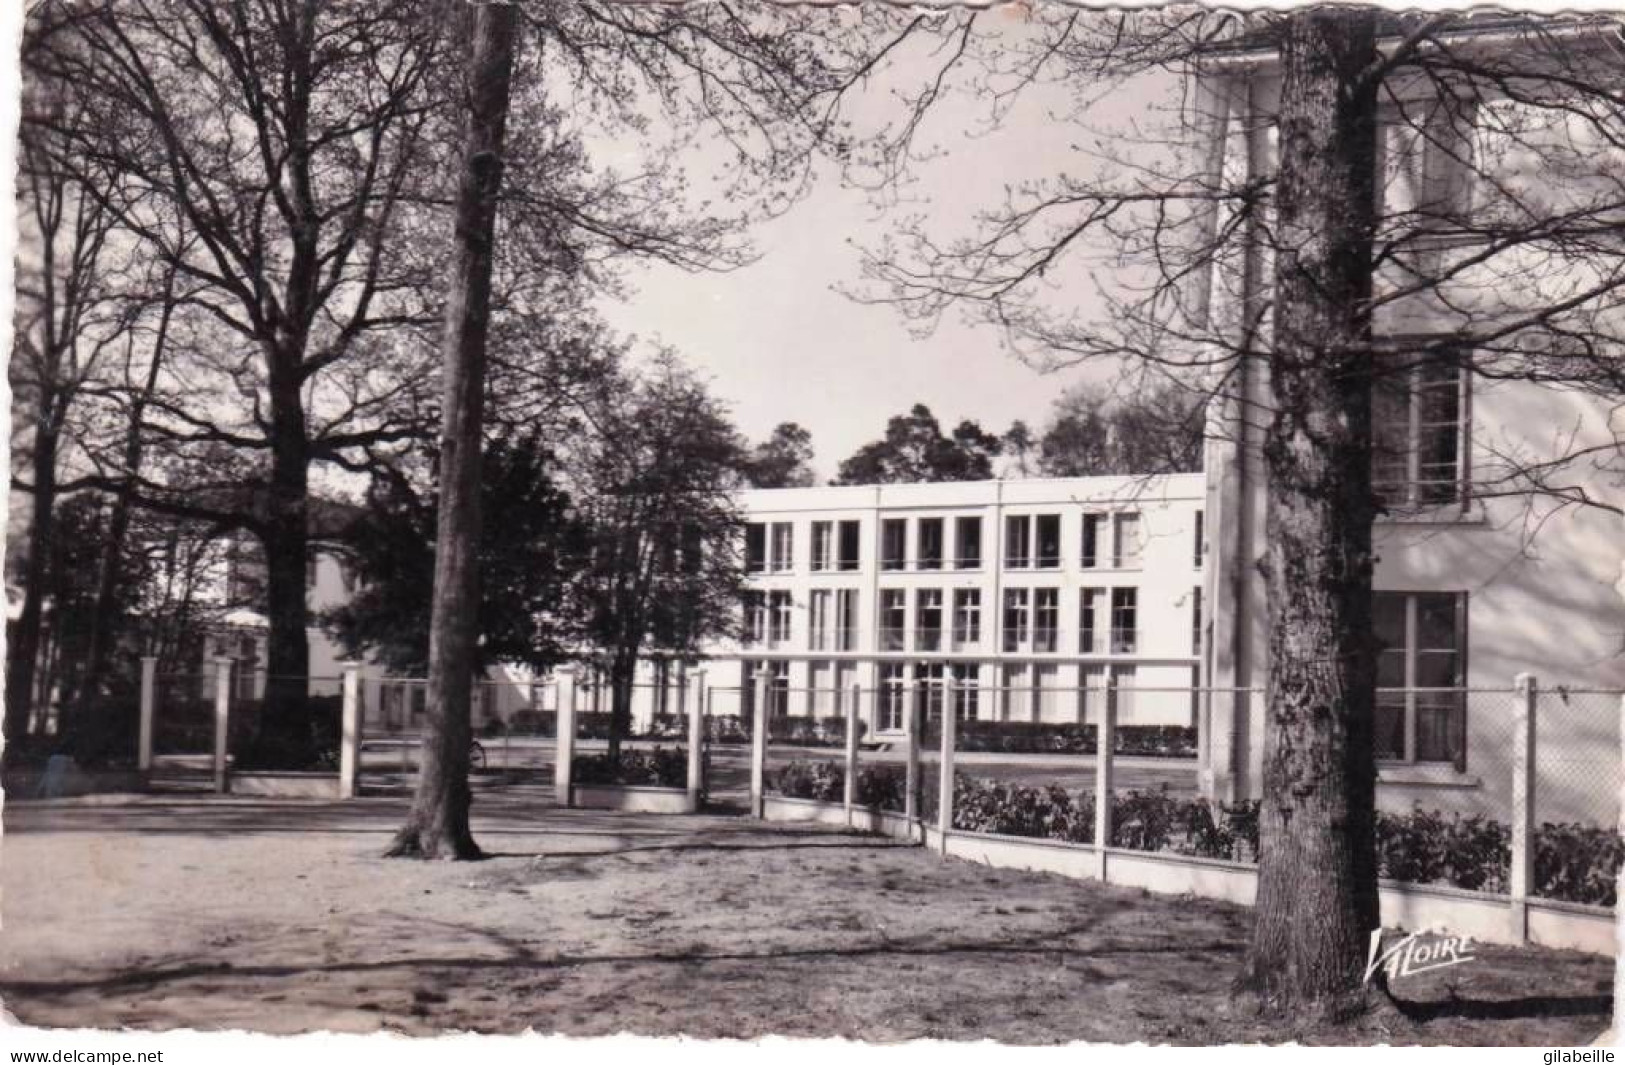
(159,913)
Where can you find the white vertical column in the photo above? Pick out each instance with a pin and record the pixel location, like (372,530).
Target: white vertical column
(564,733)
(911,780)
(696,736)
(222,716)
(350,734)
(149,675)
(758,742)
(1522,880)
(849,787)
(1105,740)
(945,771)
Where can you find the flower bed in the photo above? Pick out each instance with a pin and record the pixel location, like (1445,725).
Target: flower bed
(661,768)
(1573,863)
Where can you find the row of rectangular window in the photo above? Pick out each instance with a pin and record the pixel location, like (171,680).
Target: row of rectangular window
(1031,541)
(1023,694)
(1108,620)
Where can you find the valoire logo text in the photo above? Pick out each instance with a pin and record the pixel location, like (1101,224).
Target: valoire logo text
(1418,952)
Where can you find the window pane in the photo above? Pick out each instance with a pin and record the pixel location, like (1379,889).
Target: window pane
(1388,619)
(1390,729)
(1436,622)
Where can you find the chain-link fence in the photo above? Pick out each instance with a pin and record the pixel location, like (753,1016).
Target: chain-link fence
(1577,780)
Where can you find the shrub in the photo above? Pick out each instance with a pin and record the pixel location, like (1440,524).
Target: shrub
(1578,863)
(1153,741)
(661,767)
(822,781)
(879,786)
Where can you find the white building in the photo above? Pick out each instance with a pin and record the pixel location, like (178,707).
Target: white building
(1475,584)
(1029,593)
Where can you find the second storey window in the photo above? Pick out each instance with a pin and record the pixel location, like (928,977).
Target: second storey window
(1417,430)
(823,546)
(846,619)
(847,549)
(755,628)
(778,619)
(893,543)
(784,547)
(1126,546)
(1091,622)
(1046,619)
(755,547)
(1015,619)
(1125,621)
(1049,541)
(1199,549)
(1018,529)
(893,616)
(929,535)
(967,618)
(928,619)
(1092,526)
(968,543)
(819,618)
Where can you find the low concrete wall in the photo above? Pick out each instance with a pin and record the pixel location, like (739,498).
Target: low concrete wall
(67,780)
(1484,917)
(285,785)
(631,799)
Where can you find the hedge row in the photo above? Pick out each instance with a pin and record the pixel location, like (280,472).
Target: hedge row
(1573,862)
(1154,741)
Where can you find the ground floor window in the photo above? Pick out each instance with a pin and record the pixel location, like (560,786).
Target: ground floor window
(966,690)
(889,712)
(1421,712)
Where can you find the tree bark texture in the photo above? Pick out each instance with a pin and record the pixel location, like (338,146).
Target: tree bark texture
(1317,897)
(437,826)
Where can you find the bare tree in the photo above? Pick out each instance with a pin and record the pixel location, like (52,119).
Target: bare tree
(69,315)
(1295,242)
(437,825)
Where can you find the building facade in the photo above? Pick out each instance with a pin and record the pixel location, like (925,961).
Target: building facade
(1481,573)
(1030,594)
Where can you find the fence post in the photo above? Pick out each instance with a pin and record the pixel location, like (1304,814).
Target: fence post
(758,743)
(849,787)
(945,771)
(149,677)
(222,716)
(350,733)
(1522,881)
(564,734)
(1105,740)
(911,780)
(696,739)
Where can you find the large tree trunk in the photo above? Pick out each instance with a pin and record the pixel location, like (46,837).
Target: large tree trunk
(286,736)
(623,672)
(22,663)
(437,826)
(1317,891)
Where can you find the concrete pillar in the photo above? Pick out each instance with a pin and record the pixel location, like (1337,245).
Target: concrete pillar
(222,719)
(564,734)
(849,787)
(911,726)
(758,741)
(350,733)
(149,677)
(1521,883)
(695,704)
(1105,740)
(945,771)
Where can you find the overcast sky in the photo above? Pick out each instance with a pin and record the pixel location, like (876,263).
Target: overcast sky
(782,344)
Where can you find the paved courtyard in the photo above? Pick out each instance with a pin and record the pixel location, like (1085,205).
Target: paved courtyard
(189,911)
